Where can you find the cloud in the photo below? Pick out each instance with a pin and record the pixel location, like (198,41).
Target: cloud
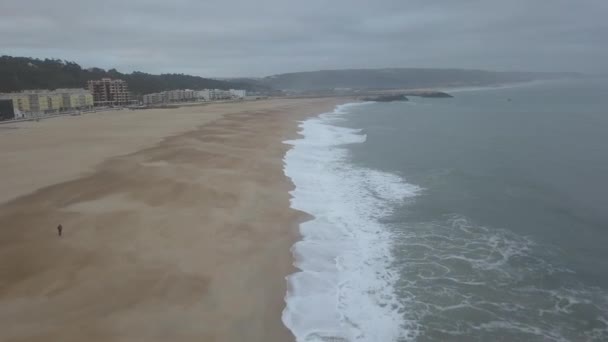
(246,38)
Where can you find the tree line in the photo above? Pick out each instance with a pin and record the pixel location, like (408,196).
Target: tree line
(23,73)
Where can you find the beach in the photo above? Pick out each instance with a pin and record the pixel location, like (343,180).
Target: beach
(176,223)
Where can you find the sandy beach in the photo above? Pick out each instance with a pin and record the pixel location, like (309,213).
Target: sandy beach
(177,224)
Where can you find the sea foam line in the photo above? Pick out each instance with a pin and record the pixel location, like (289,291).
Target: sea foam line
(344,290)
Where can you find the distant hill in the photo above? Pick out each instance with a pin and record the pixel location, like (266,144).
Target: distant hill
(21,73)
(399,78)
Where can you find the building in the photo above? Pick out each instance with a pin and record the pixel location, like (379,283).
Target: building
(218,94)
(109,92)
(38,102)
(7,110)
(156,98)
(204,95)
(29,103)
(75,99)
(51,101)
(33,102)
(20,101)
(211,94)
(175,95)
(187,95)
(170,96)
(238,93)
(180,95)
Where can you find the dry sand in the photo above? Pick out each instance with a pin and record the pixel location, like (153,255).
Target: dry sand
(176,222)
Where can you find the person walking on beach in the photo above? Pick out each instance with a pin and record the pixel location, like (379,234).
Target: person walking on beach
(59,229)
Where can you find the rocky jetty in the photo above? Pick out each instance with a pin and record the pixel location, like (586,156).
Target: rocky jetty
(386,98)
(428,93)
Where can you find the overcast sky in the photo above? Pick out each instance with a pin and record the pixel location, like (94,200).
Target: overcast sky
(264,37)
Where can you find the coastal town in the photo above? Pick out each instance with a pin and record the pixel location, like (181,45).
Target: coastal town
(105,93)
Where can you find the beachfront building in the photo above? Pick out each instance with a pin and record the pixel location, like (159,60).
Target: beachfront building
(7,109)
(170,96)
(203,95)
(186,95)
(182,95)
(33,102)
(30,103)
(49,100)
(219,94)
(153,99)
(109,92)
(39,103)
(189,95)
(75,99)
(20,102)
(174,95)
(238,93)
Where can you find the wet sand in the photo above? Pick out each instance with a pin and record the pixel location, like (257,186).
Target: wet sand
(177,224)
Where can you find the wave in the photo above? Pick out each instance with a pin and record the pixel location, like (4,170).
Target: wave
(344,290)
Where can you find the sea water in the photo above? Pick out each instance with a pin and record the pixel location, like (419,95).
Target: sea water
(481,217)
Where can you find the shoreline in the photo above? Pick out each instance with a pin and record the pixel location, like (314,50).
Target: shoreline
(344,288)
(184,236)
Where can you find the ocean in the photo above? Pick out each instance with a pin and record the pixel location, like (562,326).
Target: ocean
(477,218)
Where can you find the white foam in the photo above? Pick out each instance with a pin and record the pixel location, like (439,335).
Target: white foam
(344,289)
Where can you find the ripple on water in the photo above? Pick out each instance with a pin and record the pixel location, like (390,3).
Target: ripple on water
(460,281)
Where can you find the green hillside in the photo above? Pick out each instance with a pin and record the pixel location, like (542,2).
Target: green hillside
(21,73)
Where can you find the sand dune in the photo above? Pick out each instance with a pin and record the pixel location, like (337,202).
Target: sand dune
(177,224)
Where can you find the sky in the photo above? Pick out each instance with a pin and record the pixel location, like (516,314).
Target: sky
(240,38)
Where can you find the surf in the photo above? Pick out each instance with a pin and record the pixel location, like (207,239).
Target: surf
(344,289)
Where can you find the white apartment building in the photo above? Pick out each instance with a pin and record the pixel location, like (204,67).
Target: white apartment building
(219,94)
(204,95)
(155,98)
(178,95)
(189,95)
(182,95)
(238,93)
